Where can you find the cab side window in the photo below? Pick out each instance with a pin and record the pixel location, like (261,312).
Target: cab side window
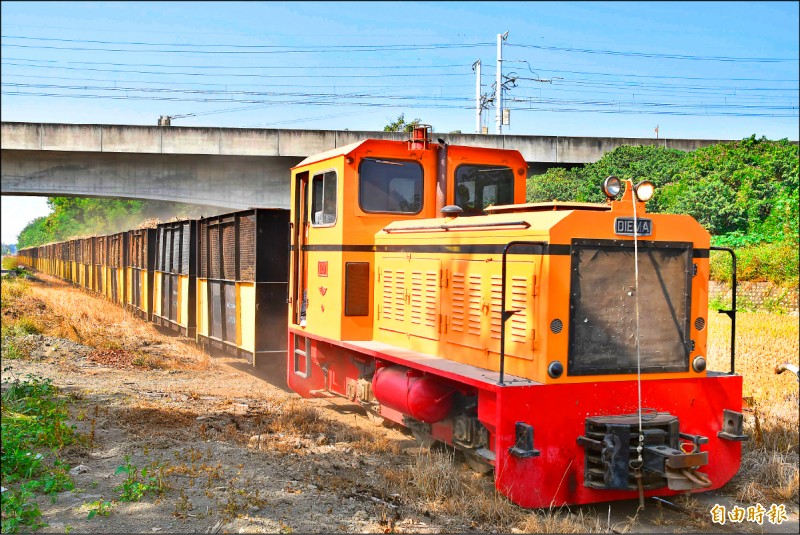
(390,186)
(323,199)
(479,186)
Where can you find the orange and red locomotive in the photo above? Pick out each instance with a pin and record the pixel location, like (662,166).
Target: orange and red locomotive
(561,345)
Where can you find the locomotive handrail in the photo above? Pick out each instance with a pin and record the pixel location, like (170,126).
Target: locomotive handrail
(732,312)
(468,226)
(505,314)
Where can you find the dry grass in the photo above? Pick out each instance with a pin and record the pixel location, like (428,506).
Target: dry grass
(770,468)
(435,482)
(64,311)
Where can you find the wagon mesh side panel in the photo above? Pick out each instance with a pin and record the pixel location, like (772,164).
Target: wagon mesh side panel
(213,244)
(203,267)
(176,250)
(247,248)
(229,251)
(185,248)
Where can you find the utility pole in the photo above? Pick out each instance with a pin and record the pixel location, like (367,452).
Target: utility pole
(499,83)
(478,107)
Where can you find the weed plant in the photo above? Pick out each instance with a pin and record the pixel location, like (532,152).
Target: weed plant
(137,482)
(34,429)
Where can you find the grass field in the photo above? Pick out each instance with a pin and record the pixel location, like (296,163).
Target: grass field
(769,469)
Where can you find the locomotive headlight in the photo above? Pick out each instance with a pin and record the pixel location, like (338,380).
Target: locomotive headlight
(612,186)
(644,190)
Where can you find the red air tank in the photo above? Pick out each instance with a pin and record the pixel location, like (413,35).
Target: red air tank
(423,397)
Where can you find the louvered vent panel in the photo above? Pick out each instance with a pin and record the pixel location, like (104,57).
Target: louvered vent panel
(497,293)
(519,302)
(387,302)
(474,300)
(399,295)
(424,298)
(458,303)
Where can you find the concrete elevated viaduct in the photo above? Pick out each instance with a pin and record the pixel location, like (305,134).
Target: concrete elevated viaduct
(233,168)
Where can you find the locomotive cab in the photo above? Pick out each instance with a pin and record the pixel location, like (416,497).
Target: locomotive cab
(342,198)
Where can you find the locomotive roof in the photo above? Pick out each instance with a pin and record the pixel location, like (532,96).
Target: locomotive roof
(339,151)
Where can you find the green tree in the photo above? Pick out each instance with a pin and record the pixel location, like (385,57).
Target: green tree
(73,216)
(742,192)
(400,125)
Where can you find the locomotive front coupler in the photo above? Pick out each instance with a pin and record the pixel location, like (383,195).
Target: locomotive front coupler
(668,457)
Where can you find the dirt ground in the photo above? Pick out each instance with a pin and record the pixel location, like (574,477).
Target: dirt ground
(235,454)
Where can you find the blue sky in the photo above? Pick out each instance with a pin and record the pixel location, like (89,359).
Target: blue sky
(713,70)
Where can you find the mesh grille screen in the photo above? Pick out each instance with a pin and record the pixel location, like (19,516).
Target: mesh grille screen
(185,248)
(229,251)
(213,244)
(87,251)
(100,250)
(247,248)
(176,250)
(136,249)
(603,303)
(203,267)
(115,252)
(160,250)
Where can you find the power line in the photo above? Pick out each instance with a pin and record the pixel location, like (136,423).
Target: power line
(402,47)
(392,67)
(597,106)
(198,45)
(239,75)
(273,49)
(305,67)
(657,55)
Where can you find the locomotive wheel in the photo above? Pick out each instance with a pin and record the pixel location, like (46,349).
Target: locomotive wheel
(425,440)
(476,463)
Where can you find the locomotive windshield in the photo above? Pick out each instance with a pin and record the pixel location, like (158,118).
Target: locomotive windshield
(603,305)
(479,186)
(390,186)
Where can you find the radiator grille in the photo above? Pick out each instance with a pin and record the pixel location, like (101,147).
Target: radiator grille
(602,321)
